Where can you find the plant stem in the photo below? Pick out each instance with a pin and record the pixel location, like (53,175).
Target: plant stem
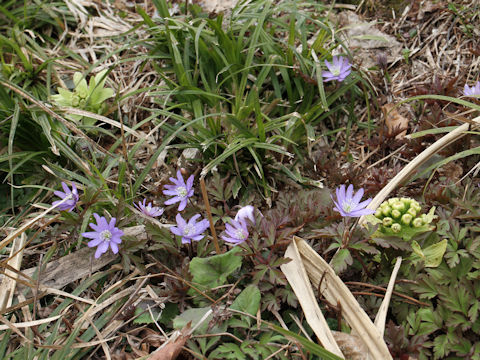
(209,214)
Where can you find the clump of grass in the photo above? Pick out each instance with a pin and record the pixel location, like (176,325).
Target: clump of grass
(247,90)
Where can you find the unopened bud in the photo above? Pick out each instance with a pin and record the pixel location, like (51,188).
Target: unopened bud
(417,222)
(412,212)
(396,228)
(407,219)
(396,214)
(75,100)
(400,206)
(387,221)
(386,210)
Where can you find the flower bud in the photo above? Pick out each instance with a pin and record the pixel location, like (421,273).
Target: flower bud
(406,201)
(81,92)
(407,219)
(75,100)
(386,210)
(415,205)
(396,214)
(392,201)
(417,222)
(387,221)
(400,206)
(396,228)
(412,212)
(378,213)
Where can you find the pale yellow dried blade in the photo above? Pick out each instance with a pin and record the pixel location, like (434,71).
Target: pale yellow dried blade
(298,279)
(8,283)
(382,312)
(335,291)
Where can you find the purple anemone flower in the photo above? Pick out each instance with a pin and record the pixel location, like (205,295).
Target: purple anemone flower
(236,232)
(472,91)
(339,69)
(180,191)
(246,212)
(149,210)
(348,203)
(192,230)
(104,235)
(70,204)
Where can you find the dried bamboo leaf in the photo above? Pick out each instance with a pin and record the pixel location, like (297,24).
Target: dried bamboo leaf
(334,290)
(298,279)
(382,312)
(8,284)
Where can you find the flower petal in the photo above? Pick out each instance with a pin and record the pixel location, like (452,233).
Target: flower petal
(173,200)
(181,221)
(175,230)
(95,242)
(114,247)
(358,196)
(349,194)
(90,235)
(183,204)
(66,188)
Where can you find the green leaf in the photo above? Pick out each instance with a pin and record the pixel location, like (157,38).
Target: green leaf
(307,344)
(145,317)
(341,260)
(432,255)
(194,316)
(228,351)
(248,300)
(440,346)
(214,270)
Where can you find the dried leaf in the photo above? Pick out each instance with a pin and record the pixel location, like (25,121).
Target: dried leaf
(352,347)
(171,349)
(394,121)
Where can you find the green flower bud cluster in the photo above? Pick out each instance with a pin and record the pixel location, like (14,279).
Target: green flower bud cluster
(402,217)
(86,96)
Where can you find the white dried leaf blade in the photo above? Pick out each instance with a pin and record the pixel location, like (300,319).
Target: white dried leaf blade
(334,290)
(298,279)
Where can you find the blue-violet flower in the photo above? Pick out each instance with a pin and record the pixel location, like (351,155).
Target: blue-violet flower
(180,191)
(472,91)
(70,204)
(246,212)
(339,69)
(348,203)
(236,232)
(192,230)
(104,235)
(149,210)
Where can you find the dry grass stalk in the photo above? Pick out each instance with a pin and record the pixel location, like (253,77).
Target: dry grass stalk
(335,291)
(297,277)
(382,312)
(8,284)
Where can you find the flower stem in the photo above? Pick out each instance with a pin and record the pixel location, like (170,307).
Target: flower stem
(209,214)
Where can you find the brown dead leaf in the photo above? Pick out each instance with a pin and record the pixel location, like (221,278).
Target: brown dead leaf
(352,347)
(171,350)
(394,121)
